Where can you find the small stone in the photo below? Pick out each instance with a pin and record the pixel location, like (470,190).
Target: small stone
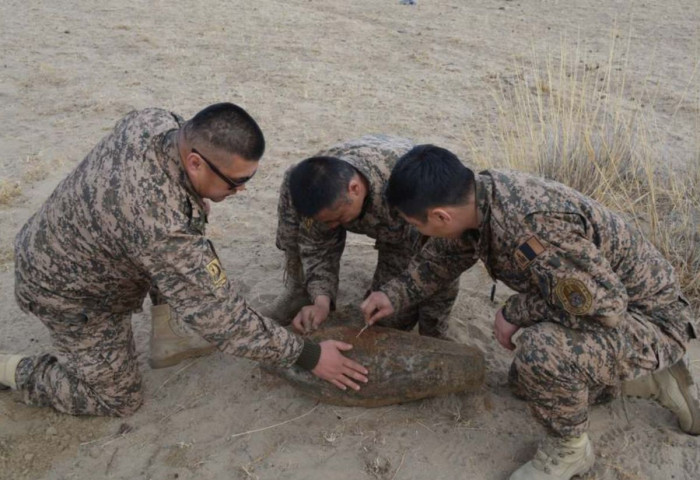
(51,431)
(29,457)
(124,428)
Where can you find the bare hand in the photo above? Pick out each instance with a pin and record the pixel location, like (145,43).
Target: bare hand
(339,370)
(504,330)
(310,317)
(375,307)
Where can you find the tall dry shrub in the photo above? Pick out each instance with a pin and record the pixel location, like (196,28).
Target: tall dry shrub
(569,120)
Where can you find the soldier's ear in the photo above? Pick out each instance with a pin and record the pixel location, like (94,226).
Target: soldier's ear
(355,186)
(192,163)
(439,215)
(193,168)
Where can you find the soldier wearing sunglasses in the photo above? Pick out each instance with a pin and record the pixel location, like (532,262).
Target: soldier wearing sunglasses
(128,220)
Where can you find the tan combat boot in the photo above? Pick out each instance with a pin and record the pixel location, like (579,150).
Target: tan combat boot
(672,388)
(283,308)
(558,459)
(171,341)
(8,368)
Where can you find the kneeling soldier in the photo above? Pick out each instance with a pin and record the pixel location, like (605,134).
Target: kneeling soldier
(597,303)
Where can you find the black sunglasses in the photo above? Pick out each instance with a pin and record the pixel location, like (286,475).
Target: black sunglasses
(231,182)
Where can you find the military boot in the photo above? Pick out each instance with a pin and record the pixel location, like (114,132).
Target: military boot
(672,388)
(558,459)
(171,341)
(8,368)
(283,308)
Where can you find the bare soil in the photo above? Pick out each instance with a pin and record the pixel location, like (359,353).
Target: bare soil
(313,73)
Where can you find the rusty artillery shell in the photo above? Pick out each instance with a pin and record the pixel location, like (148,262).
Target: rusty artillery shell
(402,367)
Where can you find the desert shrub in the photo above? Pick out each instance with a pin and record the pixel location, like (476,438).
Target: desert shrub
(570,120)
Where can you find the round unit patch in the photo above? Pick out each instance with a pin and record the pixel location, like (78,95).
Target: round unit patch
(574,296)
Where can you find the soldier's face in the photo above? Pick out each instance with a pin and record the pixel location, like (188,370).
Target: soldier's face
(425,228)
(437,224)
(347,208)
(218,182)
(343,212)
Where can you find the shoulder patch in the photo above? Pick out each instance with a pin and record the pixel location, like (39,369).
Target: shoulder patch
(574,296)
(308,221)
(216,273)
(528,251)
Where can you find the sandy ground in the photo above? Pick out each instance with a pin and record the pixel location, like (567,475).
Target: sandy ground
(312,73)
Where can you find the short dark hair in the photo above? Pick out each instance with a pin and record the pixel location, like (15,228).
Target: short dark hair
(318,182)
(425,177)
(227,127)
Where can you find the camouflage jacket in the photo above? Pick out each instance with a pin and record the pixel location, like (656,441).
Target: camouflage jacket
(127,218)
(319,247)
(570,259)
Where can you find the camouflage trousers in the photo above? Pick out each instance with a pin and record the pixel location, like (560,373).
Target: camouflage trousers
(431,315)
(93,370)
(556,369)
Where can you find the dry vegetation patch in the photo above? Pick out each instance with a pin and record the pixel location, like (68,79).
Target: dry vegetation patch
(569,119)
(33,168)
(9,191)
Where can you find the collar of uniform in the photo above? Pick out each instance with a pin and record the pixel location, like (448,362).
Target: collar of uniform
(483,190)
(483,187)
(173,163)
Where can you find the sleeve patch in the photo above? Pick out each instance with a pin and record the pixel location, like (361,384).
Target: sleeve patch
(574,296)
(216,273)
(308,222)
(528,251)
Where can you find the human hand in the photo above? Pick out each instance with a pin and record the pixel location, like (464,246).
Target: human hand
(375,307)
(311,316)
(337,369)
(504,330)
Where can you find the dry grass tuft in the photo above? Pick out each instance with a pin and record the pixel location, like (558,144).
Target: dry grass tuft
(35,169)
(569,120)
(9,191)
(7,258)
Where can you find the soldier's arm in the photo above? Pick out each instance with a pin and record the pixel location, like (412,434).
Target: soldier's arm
(320,249)
(188,273)
(438,263)
(575,282)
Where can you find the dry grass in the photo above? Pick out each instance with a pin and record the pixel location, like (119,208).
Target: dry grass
(7,258)
(9,191)
(33,168)
(570,120)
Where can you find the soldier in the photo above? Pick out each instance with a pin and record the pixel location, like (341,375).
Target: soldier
(342,190)
(596,303)
(129,218)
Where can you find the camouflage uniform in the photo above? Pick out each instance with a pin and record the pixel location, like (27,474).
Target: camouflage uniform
(126,219)
(598,303)
(320,248)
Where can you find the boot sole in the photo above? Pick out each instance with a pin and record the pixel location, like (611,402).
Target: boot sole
(680,372)
(176,358)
